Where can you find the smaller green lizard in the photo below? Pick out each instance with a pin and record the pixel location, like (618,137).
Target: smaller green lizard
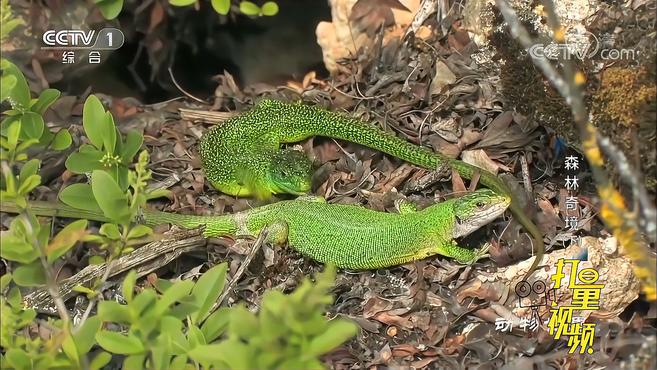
(348,236)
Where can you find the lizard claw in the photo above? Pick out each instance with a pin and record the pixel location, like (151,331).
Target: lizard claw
(481,253)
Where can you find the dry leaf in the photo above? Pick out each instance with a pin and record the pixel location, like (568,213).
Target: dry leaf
(443,76)
(480,159)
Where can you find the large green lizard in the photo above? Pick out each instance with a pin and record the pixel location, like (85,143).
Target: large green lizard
(348,236)
(242,156)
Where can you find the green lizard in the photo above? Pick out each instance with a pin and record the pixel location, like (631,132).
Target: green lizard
(242,156)
(348,236)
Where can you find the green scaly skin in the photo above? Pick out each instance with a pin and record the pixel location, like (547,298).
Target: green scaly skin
(237,155)
(348,236)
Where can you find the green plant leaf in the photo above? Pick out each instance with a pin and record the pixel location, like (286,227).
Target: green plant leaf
(7,83)
(110,9)
(221,6)
(114,312)
(216,324)
(133,141)
(139,231)
(134,362)
(85,335)
(19,95)
(159,355)
(18,359)
(13,133)
(109,133)
(28,184)
(243,324)
(249,8)
(120,344)
(66,239)
(45,100)
(269,8)
(175,293)
(30,168)
(96,260)
(80,196)
(93,120)
(157,193)
(46,137)
(15,299)
(172,328)
(110,198)
(30,275)
(142,302)
(111,231)
(17,249)
(83,162)
(5,280)
(231,352)
(207,289)
(70,349)
(23,147)
(181,2)
(338,332)
(179,363)
(128,287)
(195,336)
(84,290)
(32,126)
(99,362)
(272,311)
(62,140)
(144,323)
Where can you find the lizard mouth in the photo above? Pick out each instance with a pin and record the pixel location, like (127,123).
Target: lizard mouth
(296,189)
(464,226)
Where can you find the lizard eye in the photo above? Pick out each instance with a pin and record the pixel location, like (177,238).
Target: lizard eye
(480,204)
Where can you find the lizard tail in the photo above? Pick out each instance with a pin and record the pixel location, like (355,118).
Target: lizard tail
(215,226)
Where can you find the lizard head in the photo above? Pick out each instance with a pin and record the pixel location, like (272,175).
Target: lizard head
(476,209)
(290,172)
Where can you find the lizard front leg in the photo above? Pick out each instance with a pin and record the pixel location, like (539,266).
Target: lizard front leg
(277,233)
(405,206)
(463,255)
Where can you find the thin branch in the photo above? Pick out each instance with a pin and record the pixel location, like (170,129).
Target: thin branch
(639,192)
(145,259)
(187,94)
(245,264)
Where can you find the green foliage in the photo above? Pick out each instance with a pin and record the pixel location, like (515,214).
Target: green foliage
(268,9)
(7,23)
(62,350)
(222,7)
(290,331)
(110,9)
(23,125)
(108,150)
